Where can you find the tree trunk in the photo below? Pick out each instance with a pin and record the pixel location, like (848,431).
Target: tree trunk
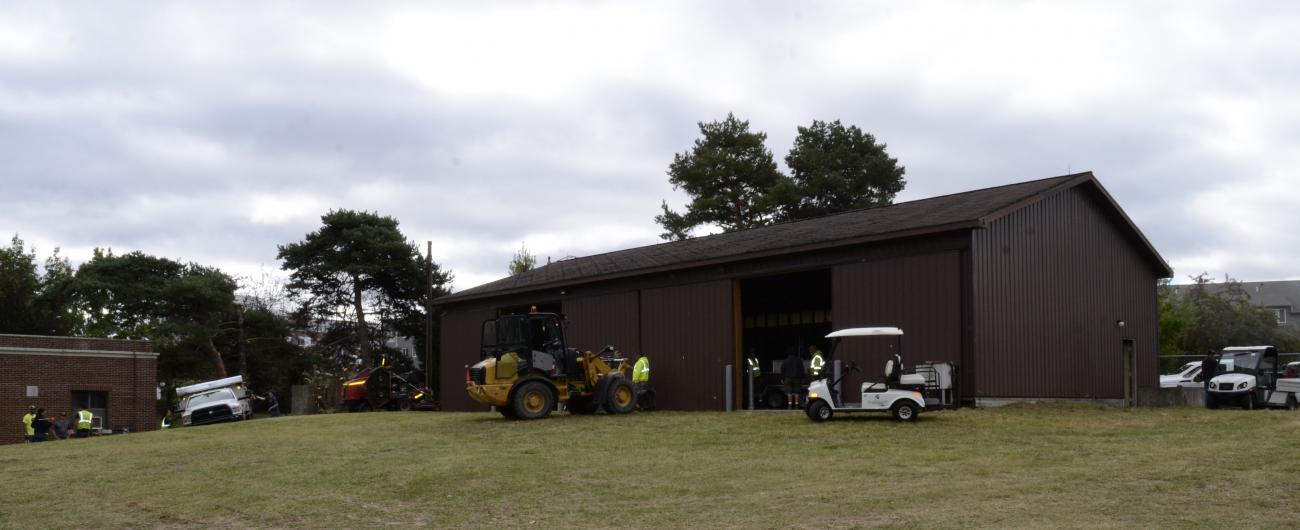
(215,355)
(363,331)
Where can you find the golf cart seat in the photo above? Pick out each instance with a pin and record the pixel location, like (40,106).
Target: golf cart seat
(891,378)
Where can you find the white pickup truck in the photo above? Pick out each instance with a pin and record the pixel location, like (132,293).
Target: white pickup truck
(214,402)
(1248,376)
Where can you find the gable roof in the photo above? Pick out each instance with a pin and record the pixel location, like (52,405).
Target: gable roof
(967,210)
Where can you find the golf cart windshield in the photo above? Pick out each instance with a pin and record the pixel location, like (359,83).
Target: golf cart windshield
(1240,361)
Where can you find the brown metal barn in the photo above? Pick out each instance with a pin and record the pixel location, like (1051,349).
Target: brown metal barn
(1042,289)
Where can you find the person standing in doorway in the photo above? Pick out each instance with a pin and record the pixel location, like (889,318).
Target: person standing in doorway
(27,423)
(1208,368)
(792,374)
(818,361)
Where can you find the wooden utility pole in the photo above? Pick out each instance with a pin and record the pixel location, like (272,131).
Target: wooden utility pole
(428,318)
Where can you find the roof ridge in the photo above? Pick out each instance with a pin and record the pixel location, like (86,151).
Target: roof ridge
(827,216)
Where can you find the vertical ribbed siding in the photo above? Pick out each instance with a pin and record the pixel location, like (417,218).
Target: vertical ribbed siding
(1050,282)
(459,347)
(687,331)
(596,321)
(920,294)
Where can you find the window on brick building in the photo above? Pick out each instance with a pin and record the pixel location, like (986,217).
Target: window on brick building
(95,402)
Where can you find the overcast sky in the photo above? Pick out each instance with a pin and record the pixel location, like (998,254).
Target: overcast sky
(212,132)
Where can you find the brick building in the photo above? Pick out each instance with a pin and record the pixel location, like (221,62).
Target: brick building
(115,379)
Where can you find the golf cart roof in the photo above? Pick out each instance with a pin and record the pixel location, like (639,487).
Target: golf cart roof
(1246,348)
(864,332)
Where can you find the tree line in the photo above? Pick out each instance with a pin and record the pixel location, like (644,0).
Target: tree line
(1200,317)
(353,285)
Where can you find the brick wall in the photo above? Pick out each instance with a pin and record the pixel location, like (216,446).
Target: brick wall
(58,366)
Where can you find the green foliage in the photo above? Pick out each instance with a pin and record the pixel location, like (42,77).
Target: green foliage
(734,183)
(36,302)
(837,168)
(359,264)
(1214,317)
(731,178)
(523,261)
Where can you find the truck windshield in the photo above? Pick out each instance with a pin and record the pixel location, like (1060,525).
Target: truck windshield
(1240,361)
(208,397)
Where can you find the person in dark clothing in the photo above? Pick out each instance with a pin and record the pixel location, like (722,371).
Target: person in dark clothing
(61,426)
(792,374)
(1208,367)
(40,426)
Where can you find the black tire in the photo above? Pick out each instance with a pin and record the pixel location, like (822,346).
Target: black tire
(404,405)
(1210,402)
(1290,402)
(1248,401)
(581,405)
(532,401)
(620,396)
(505,411)
(819,411)
(775,399)
(905,410)
(363,406)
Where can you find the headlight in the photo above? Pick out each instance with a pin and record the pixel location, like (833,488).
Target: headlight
(1241,385)
(812,395)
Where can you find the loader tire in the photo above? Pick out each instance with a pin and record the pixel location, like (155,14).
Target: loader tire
(507,412)
(532,401)
(620,397)
(581,405)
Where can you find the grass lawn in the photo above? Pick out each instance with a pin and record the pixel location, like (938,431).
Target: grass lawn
(1019,466)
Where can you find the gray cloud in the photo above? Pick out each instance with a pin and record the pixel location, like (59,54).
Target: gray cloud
(213,133)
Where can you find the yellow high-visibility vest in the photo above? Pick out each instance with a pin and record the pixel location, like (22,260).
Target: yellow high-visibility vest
(817,363)
(83,419)
(641,372)
(27,421)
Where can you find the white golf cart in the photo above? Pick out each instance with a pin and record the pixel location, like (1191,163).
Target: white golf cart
(1248,376)
(897,394)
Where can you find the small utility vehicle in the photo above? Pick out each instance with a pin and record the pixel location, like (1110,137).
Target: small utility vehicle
(1248,376)
(899,394)
(214,401)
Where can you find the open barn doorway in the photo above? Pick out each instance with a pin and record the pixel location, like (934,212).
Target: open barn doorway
(780,315)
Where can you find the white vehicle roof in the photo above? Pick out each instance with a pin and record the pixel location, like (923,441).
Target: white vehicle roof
(864,332)
(1247,348)
(209,385)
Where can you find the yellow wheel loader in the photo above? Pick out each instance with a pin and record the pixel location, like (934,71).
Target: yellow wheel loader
(527,368)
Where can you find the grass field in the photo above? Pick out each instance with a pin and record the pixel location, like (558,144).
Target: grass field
(1020,466)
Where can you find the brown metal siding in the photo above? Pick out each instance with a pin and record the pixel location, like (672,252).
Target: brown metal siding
(920,294)
(687,331)
(1049,282)
(595,321)
(460,346)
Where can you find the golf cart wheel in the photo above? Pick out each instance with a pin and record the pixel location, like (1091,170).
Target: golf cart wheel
(905,411)
(1210,402)
(621,397)
(532,401)
(404,405)
(820,411)
(1248,402)
(1290,402)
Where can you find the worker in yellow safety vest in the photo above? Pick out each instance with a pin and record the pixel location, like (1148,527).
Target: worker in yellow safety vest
(84,418)
(28,430)
(818,361)
(645,396)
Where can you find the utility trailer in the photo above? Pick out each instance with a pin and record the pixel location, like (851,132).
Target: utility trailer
(379,388)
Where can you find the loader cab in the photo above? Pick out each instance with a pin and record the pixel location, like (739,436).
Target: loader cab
(524,343)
